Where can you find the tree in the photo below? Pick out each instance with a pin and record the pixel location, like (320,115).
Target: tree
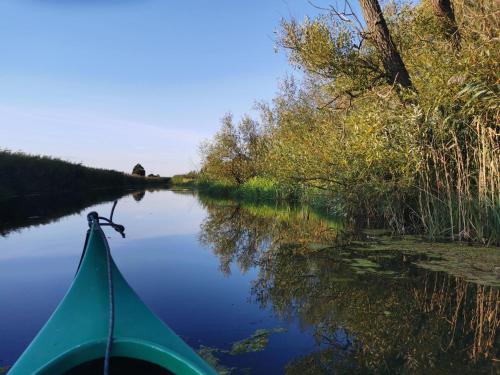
(234,154)
(354,130)
(350,57)
(379,34)
(139,170)
(444,12)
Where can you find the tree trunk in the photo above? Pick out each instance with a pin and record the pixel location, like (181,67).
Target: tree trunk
(379,33)
(444,11)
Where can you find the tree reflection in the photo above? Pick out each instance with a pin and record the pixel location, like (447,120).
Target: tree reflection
(243,234)
(412,321)
(139,195)
(399,325)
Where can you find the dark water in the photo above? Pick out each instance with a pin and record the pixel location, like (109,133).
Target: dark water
(259,289)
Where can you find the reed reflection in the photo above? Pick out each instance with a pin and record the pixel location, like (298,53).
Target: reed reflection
(371,312)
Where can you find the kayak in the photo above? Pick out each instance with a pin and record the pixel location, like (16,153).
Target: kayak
(102,326)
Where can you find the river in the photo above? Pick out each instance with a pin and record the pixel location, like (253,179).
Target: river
(261,289)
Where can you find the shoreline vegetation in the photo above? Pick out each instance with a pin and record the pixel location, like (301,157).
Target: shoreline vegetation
(393,120)
(24,175)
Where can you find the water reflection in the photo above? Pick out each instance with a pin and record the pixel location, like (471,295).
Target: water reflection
(370,312)
(241,234)
(40,209)
(288,287)
(138,195)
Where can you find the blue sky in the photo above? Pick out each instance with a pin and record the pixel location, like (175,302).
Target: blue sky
(113,82)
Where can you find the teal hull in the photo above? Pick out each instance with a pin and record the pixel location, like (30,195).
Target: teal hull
(77,332)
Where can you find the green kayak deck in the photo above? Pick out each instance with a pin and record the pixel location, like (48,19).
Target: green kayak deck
(77,332)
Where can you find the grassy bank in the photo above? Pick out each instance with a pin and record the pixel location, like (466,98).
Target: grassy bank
(259,190)
(22,175)
(256,189)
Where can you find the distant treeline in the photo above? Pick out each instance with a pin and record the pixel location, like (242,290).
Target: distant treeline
(23,174)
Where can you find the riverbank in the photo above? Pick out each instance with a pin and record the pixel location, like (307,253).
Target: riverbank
(256,189)
(23,175)
(265,190)
(423,154)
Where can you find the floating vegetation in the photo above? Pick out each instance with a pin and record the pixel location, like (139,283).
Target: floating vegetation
(342,279)
(255,343)
(318,246)
(362,266)
(473,263)
(208,354)
(480,273)
(363,263)
(382,256)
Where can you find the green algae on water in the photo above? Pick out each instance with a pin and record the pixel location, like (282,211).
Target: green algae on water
(208,354)
(473,263)
(255,343)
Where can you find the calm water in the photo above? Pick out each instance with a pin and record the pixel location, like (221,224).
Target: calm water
(257,289)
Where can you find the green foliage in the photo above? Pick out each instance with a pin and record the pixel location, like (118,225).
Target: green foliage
(332,49)
(234,155)
(425,159)
(189,179)
(256,189)
(259,188)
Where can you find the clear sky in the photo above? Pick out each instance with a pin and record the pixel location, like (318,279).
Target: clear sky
(110,83)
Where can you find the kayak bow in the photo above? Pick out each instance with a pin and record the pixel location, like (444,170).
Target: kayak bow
(78,332)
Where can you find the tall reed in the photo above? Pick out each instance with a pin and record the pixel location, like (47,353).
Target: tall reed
(459,196)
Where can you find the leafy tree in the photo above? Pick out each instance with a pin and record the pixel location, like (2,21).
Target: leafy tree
(336,47)
(387,122)
(139,170)
(234,154)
